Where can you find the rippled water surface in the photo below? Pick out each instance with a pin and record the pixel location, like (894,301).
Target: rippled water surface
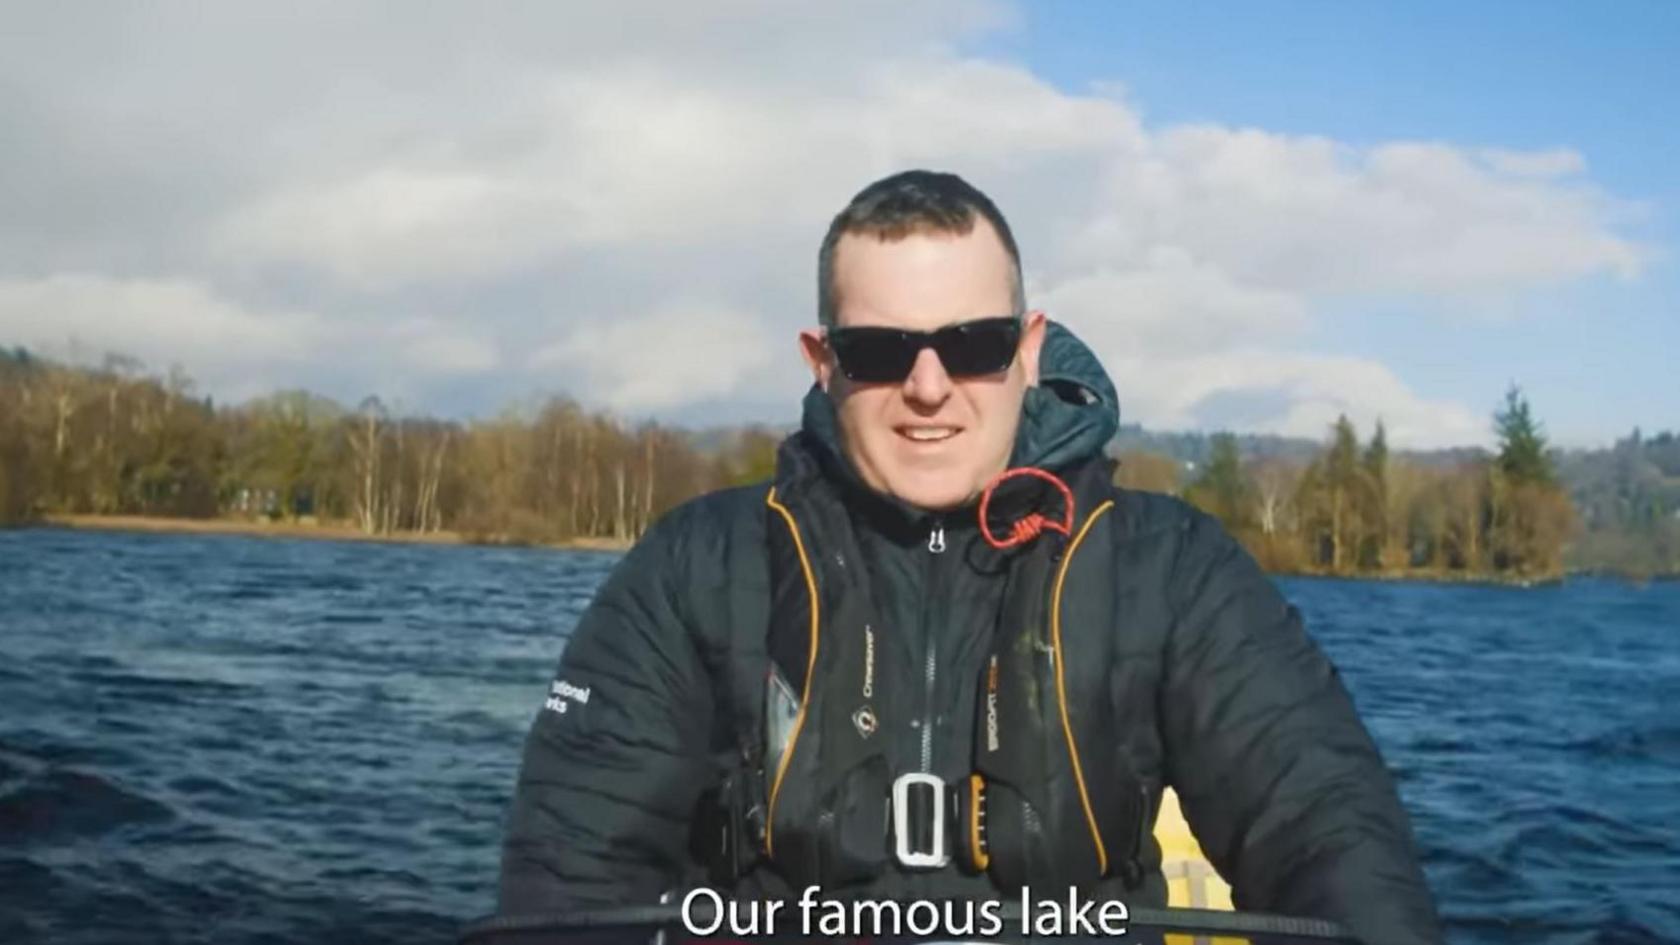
(246,740)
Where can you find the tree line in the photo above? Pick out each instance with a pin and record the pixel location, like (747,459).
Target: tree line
(114,440)
(1355,508)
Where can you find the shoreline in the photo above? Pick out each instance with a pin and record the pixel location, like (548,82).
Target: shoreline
(338,531)
(312,531)
(1423,576)
(1432,576)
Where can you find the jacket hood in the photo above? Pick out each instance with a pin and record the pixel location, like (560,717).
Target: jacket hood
(1065,421)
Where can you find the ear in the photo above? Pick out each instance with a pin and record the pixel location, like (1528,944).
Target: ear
(1032,342)
(815,351)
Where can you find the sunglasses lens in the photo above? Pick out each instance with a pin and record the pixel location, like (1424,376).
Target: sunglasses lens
(982,347)
(874,356)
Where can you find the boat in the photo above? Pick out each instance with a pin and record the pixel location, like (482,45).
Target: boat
(1192,882)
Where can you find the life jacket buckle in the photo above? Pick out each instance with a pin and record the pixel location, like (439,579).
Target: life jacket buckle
(726,831)
(918,812)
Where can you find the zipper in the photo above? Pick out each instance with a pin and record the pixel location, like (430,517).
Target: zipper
(936,547)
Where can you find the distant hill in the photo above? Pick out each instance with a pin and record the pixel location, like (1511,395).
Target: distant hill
(1628,500)
(1195,447)
(1633,484)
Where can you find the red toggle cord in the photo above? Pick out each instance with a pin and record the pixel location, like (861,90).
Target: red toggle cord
(1033,525)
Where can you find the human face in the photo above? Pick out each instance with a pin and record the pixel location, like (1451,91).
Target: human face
(932,440)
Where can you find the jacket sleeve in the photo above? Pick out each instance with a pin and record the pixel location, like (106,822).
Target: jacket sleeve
(1279,779)
(615,758)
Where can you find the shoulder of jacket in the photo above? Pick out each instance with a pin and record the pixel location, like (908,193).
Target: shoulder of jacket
(1140,514)
(720,508)
(708,527)
(1186,540)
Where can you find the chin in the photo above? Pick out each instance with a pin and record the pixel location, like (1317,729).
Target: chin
(938,495)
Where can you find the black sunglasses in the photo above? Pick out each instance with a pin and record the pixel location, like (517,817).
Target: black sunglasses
(870,355)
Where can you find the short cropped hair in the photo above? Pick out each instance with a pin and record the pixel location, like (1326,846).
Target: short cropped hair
(911,202)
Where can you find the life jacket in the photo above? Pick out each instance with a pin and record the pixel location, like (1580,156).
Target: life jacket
(1049,805)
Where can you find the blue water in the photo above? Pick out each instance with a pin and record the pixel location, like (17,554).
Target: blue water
(224,739)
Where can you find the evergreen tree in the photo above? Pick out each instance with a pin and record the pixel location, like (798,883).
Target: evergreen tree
(1522,443)
(1222,489)
(1342,474)
(1532,517)
(1376,454)
(1375,463)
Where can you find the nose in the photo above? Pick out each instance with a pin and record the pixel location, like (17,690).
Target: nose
(928,384)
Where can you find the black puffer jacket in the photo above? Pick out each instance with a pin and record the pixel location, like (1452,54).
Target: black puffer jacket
(1218,690)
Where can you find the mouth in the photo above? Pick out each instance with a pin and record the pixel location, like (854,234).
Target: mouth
(927,433)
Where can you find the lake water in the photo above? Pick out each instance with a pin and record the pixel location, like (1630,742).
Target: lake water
(228,739)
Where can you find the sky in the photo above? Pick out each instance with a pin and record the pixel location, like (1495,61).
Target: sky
(1260,216)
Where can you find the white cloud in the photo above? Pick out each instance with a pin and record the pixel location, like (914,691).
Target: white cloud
(1292,394)
(436,347)
(678,355)
(389,225)
(1558,162)
(156,320)
(1171,305)
(642,154)
(1311,216)
(637,198)
(233,350)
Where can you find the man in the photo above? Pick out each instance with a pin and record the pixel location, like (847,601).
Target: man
(896,672)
